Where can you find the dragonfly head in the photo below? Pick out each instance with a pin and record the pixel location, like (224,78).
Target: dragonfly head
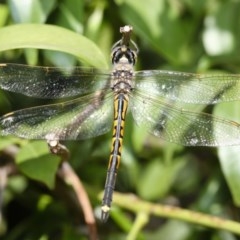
(125,50)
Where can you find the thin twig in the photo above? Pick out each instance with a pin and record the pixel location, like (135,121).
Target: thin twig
(71,178)
(134,204)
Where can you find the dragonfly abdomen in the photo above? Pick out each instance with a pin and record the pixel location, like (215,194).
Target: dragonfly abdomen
(120,110)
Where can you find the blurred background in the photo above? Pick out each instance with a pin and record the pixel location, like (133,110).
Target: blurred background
(183,35)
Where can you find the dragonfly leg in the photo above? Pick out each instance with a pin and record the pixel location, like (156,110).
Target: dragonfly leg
(59,149)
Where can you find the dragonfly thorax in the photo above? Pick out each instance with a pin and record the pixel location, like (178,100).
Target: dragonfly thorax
(123,59)
(122,77)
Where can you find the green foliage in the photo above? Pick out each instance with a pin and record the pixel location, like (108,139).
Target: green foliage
(229,156)
(35,162)
(199,36)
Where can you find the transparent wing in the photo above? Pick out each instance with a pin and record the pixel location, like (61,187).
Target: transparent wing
(80,118)
(51,82)
(175,124)
(190,87)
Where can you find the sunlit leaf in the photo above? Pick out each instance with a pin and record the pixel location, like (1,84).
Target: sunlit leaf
(35,11)
(51,38)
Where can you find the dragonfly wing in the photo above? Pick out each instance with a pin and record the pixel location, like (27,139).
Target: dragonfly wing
(52,82)
(186,127)
(189,87)
(80,118)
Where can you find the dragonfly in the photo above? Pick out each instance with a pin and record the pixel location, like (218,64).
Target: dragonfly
(95,101)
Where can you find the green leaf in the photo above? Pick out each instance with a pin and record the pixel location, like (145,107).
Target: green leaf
(161,29)
(52,38)
(35,11)
(7,141)
(158,177)
(31,56)
(3,14)
(221,30)
(35,161)
(229,156)
(230,163)
(181,231)
(71,15)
